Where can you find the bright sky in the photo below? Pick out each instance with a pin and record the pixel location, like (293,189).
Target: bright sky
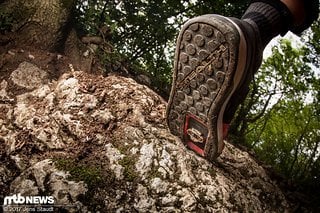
(274,42)
(296,42)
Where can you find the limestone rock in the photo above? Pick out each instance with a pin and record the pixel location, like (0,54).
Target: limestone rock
(28,75)
(101,144)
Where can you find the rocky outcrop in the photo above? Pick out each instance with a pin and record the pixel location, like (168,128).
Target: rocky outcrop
(99,143)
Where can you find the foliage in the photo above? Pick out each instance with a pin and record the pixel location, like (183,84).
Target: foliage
(10,17)
(6,21)
(291,137)
(145,30)
(284,76)
(280,117)
(312,38)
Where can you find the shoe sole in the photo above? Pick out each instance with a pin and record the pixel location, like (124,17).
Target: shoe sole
(209,62)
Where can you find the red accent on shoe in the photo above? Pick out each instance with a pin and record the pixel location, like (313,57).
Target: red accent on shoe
(195,148)
(225,130)
(186,124)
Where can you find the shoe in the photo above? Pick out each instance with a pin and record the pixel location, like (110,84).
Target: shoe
(210,64)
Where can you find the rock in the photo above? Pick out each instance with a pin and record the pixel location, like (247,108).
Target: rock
(4,97)
(44,177)
(11,53)
(28,76)
(101,144)
(31,56)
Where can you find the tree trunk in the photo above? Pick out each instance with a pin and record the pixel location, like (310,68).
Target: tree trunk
(44,24)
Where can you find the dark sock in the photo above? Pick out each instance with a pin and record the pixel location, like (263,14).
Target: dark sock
(271,17)
(262,21)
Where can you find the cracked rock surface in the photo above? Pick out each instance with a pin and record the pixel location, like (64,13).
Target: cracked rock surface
(99,143)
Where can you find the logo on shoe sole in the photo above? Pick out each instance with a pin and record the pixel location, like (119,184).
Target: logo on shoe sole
(186,81)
